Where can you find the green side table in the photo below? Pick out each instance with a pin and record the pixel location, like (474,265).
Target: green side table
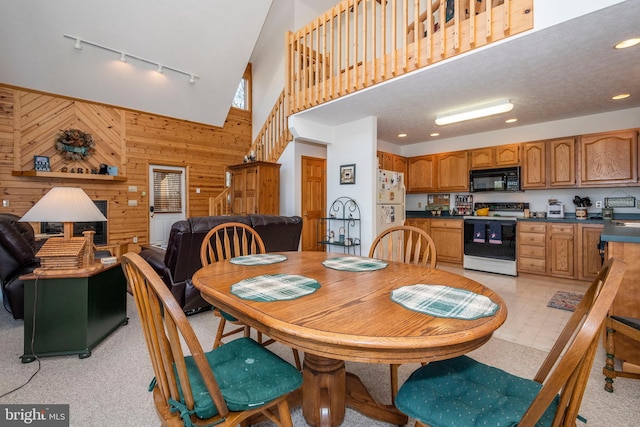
(72,313)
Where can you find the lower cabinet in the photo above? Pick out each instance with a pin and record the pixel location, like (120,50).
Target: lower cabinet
(532,242)
(567,250)
(562,247)
(447,234)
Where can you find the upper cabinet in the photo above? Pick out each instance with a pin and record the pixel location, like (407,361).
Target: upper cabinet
(495,157)
(608,159)
(421,176)
(549,164)
(452,171)
(392,162)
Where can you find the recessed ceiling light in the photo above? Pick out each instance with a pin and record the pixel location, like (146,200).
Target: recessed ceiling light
(402,135)
(621,96)
(434,134)
(511,120)
(628,43)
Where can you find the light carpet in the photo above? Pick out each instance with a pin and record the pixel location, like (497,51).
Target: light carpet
(110,387)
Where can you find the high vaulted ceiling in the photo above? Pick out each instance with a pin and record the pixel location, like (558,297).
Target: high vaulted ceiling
(566,70)
(211,39)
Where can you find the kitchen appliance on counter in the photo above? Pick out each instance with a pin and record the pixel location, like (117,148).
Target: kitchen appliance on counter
(494,180)
(390,202)
(490,241)
(555,209)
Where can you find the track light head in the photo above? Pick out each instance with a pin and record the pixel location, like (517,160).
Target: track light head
(78,44)
(160,69)
(123,57)
(192,79)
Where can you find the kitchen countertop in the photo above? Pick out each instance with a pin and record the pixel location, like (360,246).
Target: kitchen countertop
(592,218)
(617,233)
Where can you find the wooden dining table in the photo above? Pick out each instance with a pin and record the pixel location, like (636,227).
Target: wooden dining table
(350,317)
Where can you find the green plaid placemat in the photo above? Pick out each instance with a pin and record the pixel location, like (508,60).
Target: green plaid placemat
(444,301)
(352,263)
(258,259)
(274,287)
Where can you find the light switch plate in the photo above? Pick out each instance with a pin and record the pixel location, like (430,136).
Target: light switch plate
(133,203)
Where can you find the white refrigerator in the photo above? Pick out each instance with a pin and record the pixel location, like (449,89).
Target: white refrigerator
(390,200)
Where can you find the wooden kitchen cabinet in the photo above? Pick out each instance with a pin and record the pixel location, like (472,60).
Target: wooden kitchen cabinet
(608,159)
(255,188)
(534,165)
(561,257)
(447,235)
(561,166)
(495,157)
(421,174)
(589,259)
(532,242)
(421,223)
(392,162)
(549,164)
(453,171)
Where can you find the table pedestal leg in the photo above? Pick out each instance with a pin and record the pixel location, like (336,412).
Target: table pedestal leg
(323,390)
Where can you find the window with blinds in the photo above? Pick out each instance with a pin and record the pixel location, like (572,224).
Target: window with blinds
(167,191)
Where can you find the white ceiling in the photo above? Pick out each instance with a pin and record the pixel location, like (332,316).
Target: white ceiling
(212,39)
(564,71)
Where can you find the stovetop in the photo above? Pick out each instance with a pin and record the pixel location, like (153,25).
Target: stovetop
(503,207)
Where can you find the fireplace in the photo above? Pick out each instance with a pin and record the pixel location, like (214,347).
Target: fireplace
(100,227)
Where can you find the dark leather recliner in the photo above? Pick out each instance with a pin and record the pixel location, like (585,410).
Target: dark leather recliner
(17,257)
(181,259)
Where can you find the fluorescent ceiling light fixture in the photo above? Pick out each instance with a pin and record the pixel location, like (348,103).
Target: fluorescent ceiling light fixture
(628,43)
(498,107)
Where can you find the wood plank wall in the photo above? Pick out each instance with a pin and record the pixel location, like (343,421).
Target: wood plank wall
(30,121)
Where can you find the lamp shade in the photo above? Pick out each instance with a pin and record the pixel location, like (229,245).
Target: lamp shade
(64,204)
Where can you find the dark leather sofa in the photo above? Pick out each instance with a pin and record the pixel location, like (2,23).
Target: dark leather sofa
(177,264)
(17,257)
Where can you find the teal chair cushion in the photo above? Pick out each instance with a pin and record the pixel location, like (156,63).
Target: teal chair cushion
(248,376)
(464,392)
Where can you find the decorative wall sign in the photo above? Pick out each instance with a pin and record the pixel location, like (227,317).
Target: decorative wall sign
(347,174)
(74,144)
(41,164)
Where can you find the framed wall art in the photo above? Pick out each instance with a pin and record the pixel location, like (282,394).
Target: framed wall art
(347,174)
(41,164)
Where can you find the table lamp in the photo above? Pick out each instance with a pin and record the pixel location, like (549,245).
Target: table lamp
(66,205)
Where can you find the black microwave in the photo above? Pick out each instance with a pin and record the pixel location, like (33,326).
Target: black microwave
(500,179)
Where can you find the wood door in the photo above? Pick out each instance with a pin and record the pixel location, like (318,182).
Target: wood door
(589,260)
(453,171)
(609,159)
(562,256)
(314,200)
(534,165)
(562,163)
(421,174)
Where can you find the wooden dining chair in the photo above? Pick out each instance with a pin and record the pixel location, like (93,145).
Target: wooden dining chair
(462,391)
(226,241)
(629,328)
(222,387)
(404,243)
(410,245)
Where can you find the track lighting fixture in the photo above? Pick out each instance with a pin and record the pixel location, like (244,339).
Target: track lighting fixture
(125,56)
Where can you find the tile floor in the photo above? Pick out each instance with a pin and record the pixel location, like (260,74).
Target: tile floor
(529,321)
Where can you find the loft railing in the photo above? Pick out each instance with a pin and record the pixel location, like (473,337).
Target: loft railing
(360,43)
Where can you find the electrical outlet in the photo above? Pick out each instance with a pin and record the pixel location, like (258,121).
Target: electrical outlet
(5,203)
(638,203)
(599,204)
(419,205)
(135,239)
